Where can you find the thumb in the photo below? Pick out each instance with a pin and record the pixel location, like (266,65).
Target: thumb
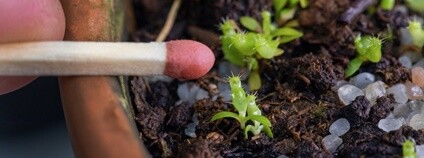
(24,20)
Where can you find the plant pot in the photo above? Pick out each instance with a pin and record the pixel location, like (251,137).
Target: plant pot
(300,88)
(296,94)
(97,113)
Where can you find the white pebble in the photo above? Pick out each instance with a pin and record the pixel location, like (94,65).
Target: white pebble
(338,85)
(332,142)
(190,130)
(413,56)
(420,150)
(391,124)
(399,92)
(202,94)
(413,91)
(226,95)
(339,127)
(401,110)
(416,105)
(187,92)
(419,63)
(409,117)
(348,93)
(405,37)
(195,120)
(417,121)
(405,61)
(375,90)
(362,80)
(223,86)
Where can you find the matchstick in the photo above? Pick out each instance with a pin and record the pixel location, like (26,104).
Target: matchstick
(182,59)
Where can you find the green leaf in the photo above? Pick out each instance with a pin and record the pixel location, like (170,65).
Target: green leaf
(374,51)
(230,52)
(250,23)
(238,96)
(353,66)
(252,63)
(368,47)
(292,23)
(279,4)
(286,14)
(245,43)
(266,48)
(254,81)
(266,22)
(360,45)
(278,52)
(416,32)
(408,149)
(262,119)
(387,4)
(293,3)
(252,108)
(227,27)
(268,131)
(416,5)
(224,114)
(287,34)
(287,31)
(304,3)
(251,129)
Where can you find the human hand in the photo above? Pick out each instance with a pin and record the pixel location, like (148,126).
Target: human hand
(28,20)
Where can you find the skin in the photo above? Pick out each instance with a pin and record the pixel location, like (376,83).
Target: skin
(28,20)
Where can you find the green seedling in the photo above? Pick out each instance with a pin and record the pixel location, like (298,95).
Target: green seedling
(247,111)
(368,48)
(416,5)
(417,33)
(387,4)
(408,149)
(261,41)
(286,9)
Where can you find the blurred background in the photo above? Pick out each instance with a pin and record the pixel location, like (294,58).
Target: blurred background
(32,122)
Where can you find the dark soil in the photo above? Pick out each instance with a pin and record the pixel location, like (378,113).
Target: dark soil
(296,93)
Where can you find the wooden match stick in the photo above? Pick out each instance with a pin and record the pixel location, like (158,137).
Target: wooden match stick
(183,59)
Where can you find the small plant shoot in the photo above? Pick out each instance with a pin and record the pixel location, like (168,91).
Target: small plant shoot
(247,111)
(416,5)
(368,48)
(285,9)
(387,4)
(261,41)
(408,149)
(417,33)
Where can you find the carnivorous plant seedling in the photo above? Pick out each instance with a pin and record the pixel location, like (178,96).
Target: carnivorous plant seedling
(260,42)
(368,48)
(247,110)
(285,9)
(417,33)
(416,5)
(408,149)
(387,4)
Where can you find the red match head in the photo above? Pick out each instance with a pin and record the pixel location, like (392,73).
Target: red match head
(188,59)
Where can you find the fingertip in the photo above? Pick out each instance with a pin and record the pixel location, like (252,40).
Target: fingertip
(28,20)
(34,20)
(9,84)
